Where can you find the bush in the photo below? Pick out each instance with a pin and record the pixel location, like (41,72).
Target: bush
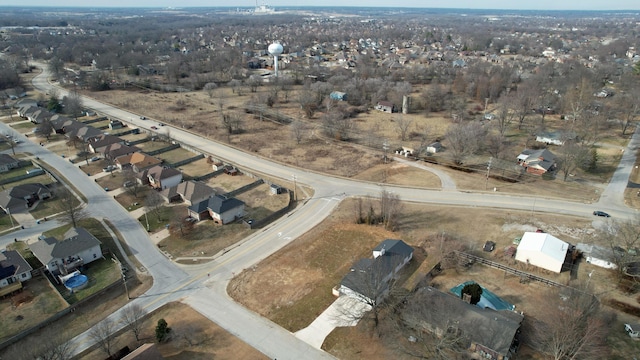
(162,330)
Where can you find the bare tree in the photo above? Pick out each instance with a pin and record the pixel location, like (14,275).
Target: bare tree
(53,343)
(572,326)
(180,226)
(103,333)
(73,104)
(44,129)
(308,102)
(403,125)
(132,186)
(390,209)
(570,156)
(299,130)
(504,118)
(210,88)
(133,318)
(72,208)
(628,106)
(154,202)
(464,140)
(623,238)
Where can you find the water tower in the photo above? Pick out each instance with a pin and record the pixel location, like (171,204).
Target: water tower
(275,49)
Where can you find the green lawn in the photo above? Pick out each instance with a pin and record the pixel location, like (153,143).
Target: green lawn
(23,126)
(175,155)
(50,207)
(157,221)
(100,274)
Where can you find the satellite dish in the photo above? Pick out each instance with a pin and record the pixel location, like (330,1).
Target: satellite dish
(275,49)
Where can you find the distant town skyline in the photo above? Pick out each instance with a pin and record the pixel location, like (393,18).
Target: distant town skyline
(460,4)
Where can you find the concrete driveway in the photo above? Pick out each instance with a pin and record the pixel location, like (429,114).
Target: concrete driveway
(345,311)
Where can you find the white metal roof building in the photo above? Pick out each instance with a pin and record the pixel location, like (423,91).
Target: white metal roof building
(542,250)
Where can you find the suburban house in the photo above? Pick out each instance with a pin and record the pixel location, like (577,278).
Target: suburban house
(103,141)
(633,330)
(542,250)
(386,106)
(13,268)
(21,197)
(554,137)
(78,248)
(190,192)
(537,162)
(221,209)
(113,151)
(86,133)
(598,255)
(148,351)
(8,162)
(39,116)
(137,161)
(369,278)
(161,177)
(489,333)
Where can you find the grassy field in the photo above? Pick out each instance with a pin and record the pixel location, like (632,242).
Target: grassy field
(195,169)
(38,301)
(175,155)
(152,146)
(206,239)
(224,183)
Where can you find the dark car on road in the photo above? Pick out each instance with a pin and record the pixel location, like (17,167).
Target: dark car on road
(601,213)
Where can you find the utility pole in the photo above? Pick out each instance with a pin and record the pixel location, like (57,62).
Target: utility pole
(124,281)
(295,188)
(486,183)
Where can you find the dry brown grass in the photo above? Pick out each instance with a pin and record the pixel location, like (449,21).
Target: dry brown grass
(192,337)
(196,168)
(42,301)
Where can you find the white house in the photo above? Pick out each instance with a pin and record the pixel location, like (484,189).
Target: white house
(542,250)
(78,248)
(13,268)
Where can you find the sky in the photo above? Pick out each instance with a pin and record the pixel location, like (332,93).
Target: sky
(463,4)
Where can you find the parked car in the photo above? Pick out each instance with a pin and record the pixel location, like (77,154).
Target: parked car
(128,183)
(601,213)
(109,168)
(154,128)
(143,118)
(95,158)
(489,246)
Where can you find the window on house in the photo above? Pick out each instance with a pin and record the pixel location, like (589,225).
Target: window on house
(95,256)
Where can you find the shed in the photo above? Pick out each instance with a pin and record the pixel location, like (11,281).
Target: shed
(386,106)
(434,147)
(542,250)
(275,189)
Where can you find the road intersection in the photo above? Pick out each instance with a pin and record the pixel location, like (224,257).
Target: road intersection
(203,286)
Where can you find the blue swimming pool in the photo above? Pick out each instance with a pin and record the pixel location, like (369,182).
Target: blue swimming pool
(487,300)
(76,282)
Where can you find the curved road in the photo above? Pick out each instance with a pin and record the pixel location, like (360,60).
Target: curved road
(204,286)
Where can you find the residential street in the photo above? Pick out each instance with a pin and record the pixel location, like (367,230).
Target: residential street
(204,286)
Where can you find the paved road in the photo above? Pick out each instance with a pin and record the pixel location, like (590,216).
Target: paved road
(204,287)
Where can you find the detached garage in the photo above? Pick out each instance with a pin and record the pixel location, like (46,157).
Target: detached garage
(542,250)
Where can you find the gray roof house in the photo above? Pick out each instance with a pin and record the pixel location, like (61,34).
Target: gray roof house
(8,162)
(22,196)
(78,248)
(221,209)
(491,334)
(369,278)
(190,192)
(13,268)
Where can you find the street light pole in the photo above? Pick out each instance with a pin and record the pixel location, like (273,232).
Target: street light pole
(147,220)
